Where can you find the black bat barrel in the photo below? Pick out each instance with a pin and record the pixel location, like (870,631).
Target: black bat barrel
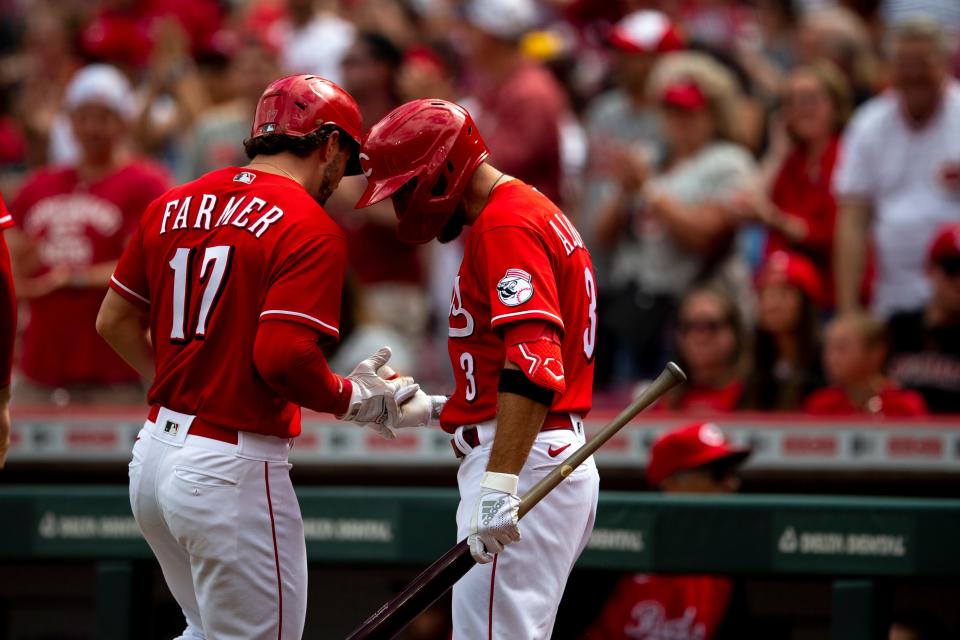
(422,592)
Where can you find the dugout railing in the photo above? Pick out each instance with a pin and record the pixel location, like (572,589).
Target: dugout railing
(851,541)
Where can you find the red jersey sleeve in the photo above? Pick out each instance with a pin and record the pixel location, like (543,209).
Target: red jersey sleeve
(306,286)
(129,279)
(519,277)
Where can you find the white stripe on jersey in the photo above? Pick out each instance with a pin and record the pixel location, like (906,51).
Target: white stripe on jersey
(282,312)
(128,290)
(526,313)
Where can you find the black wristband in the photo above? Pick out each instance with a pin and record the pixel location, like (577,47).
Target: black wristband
(513,381)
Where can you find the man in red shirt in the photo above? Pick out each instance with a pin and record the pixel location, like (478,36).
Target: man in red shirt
(239,275)
(8,331)
(72,225)
(522,335)
(692,459)
(519,104)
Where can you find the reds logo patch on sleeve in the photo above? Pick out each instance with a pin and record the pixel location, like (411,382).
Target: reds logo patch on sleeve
(515,287)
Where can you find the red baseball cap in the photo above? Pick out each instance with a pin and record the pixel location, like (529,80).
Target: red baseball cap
(684,95)
(946,244)
(646,32)
(785,267)
(690,447)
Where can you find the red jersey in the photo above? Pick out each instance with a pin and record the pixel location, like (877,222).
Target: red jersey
(214,258)
(891,401)
(651,607)
(76,224)
(523,260)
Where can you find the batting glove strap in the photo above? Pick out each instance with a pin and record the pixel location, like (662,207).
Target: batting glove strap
(496,519)
(502,482)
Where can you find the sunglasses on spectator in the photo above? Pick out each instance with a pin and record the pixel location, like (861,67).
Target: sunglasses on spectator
(705,325)
(950,266)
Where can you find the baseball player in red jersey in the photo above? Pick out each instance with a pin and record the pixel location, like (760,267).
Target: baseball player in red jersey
(239,275)
(8,330)
(522,333)
(692,459)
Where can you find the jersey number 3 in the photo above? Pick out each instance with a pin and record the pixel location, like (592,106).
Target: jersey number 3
(213,271)
(590,332)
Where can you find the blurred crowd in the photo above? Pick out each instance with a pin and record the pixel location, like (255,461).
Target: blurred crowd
(770,189)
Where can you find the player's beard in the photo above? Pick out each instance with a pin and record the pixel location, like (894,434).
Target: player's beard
(328,185)
(454,226)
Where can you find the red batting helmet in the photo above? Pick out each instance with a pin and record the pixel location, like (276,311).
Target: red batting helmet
(299,105)
(432,142)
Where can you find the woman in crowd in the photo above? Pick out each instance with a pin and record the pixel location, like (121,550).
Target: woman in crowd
(709,346)
(669,222)
(855,350)
(796,202)
(786,365)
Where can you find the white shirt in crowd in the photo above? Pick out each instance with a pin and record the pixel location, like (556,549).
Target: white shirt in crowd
(318,47)
(905,174)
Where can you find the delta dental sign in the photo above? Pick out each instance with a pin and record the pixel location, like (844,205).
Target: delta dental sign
(838,542)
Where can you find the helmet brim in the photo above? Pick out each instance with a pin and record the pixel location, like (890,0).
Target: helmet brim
(379,190)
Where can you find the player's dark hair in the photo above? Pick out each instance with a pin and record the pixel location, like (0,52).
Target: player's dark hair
(271,144)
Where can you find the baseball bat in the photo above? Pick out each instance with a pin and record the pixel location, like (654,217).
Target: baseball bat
(435,580)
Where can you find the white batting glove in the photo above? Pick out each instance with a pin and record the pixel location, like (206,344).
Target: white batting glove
(415,409)
(421,410)
(373,401)
(495,522)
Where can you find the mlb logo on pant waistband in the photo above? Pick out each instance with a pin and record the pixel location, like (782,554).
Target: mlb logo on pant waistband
(171,428)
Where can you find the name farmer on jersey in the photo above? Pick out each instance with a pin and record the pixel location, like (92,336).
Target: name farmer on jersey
(256,214)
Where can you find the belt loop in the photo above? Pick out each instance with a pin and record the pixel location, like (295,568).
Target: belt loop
(460,443)
(578,429)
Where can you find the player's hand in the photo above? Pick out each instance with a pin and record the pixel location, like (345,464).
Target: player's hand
(495,522)
(420,410)
(416,409)
(373,402)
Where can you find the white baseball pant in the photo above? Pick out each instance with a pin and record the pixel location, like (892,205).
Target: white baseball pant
(516,596)
(225,525)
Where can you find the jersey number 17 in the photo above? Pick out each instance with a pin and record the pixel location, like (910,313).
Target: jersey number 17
(214,268)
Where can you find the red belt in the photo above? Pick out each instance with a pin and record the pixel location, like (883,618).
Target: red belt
(553,422)
(200,427)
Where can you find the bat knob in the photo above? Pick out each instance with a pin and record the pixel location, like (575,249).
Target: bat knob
(676,371)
